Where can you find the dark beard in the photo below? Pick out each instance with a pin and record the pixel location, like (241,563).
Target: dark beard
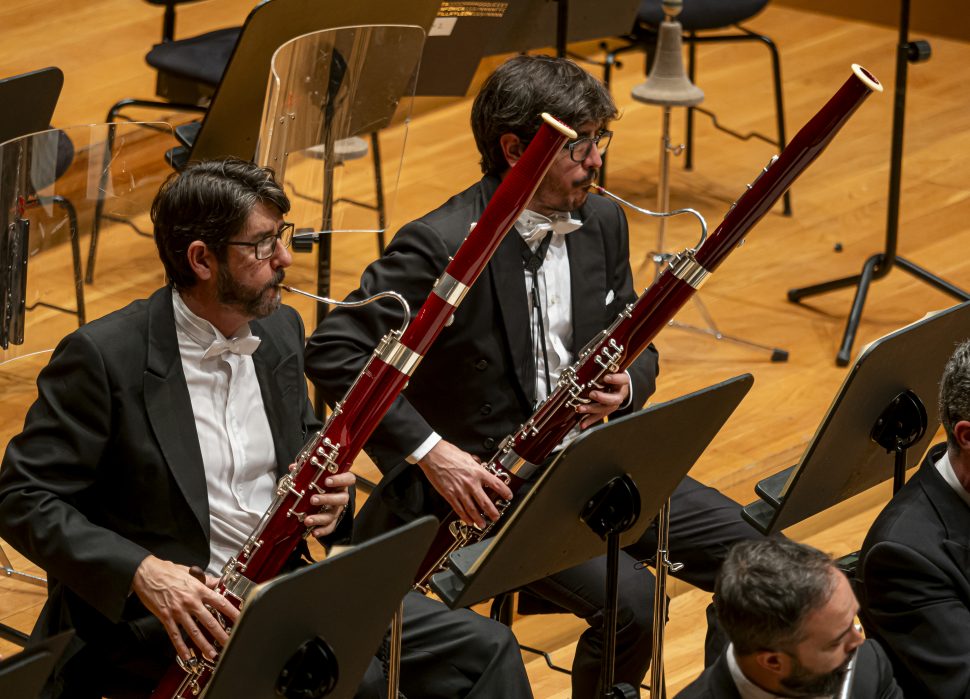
(250,302)
(802,683)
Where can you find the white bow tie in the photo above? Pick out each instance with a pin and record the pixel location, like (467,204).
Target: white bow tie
(237,345)
(533,227)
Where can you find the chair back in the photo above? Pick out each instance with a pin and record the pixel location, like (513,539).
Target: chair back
(29,100)
(231,125)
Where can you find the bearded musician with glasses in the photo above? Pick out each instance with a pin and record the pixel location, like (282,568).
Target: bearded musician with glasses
(558,278)
(155,446)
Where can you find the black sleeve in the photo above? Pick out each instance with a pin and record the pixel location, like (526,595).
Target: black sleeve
(48,467)
(340,347)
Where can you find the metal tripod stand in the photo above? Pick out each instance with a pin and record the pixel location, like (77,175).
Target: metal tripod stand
(880,264)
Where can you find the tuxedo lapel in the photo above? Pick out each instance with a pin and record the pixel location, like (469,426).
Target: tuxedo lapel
(587,282)
(508,280)
(952,510)
(169,407)
(277,371)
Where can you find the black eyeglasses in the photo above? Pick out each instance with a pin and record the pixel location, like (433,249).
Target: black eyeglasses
(265,247)
(580,149)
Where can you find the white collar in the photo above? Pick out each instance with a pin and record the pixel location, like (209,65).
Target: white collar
(206,335)
(533,226)
(746,688)
(950,476)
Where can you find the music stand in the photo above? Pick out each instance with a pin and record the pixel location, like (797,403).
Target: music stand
(884,396)
(463,34)
(880,264)
(23,675)
(563,520)
(319,626)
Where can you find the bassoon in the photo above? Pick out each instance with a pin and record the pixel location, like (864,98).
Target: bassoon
(521,454)
(333,449)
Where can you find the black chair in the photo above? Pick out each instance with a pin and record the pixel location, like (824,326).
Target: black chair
(230,68)
(700,19)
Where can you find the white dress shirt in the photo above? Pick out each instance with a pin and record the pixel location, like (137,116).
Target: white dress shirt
(234,434)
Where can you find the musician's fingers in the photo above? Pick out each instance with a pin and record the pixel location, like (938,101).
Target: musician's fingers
(221,604)
(621,379)
(204,617)
(175,636)
(589,421)
(465,507)
(496,485)
(337,498)
(340,480)
(195,633)
(485,506)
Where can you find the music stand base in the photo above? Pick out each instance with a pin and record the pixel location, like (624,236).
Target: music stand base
(710,329)
(876,267)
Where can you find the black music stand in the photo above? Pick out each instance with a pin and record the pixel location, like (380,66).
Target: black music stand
(23,675)
(880,264)
(563,520)
(316,630)
(464,34)
(881,407)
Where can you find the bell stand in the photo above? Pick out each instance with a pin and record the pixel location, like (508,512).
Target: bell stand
(880,264)
(668,86)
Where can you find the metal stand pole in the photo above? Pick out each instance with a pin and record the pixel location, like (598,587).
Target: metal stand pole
(662,567)
(880,264)
(660,258)
(394,654)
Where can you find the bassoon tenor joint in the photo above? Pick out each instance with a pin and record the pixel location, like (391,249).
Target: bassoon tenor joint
(394,353)
(687,269)
(450,289)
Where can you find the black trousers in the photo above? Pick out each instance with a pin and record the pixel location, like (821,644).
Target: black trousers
(703,526)
(448,654)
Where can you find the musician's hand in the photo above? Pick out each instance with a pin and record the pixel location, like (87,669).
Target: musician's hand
(180,601)
(461,480)
(332,503)
(605,402)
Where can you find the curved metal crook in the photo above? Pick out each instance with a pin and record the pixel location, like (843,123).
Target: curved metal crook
(356,304)
(658,214)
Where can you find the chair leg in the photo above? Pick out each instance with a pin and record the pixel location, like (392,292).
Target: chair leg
(71,212)
(379,191)
(99,205)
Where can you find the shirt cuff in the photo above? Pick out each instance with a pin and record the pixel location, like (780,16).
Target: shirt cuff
(629,397)
(422,450)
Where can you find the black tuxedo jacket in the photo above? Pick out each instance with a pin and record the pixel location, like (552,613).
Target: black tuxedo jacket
(915,584)
(873,678)
(108,467)
(476,384)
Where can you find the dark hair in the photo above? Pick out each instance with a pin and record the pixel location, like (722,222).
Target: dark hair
(766,589)
(955,391)
(523,87)
(208,201)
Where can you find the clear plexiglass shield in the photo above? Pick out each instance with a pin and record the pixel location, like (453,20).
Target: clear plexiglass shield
(335,122)
(54,186)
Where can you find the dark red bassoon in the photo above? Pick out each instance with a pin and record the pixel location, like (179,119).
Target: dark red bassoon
(354,418)
(618,346)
